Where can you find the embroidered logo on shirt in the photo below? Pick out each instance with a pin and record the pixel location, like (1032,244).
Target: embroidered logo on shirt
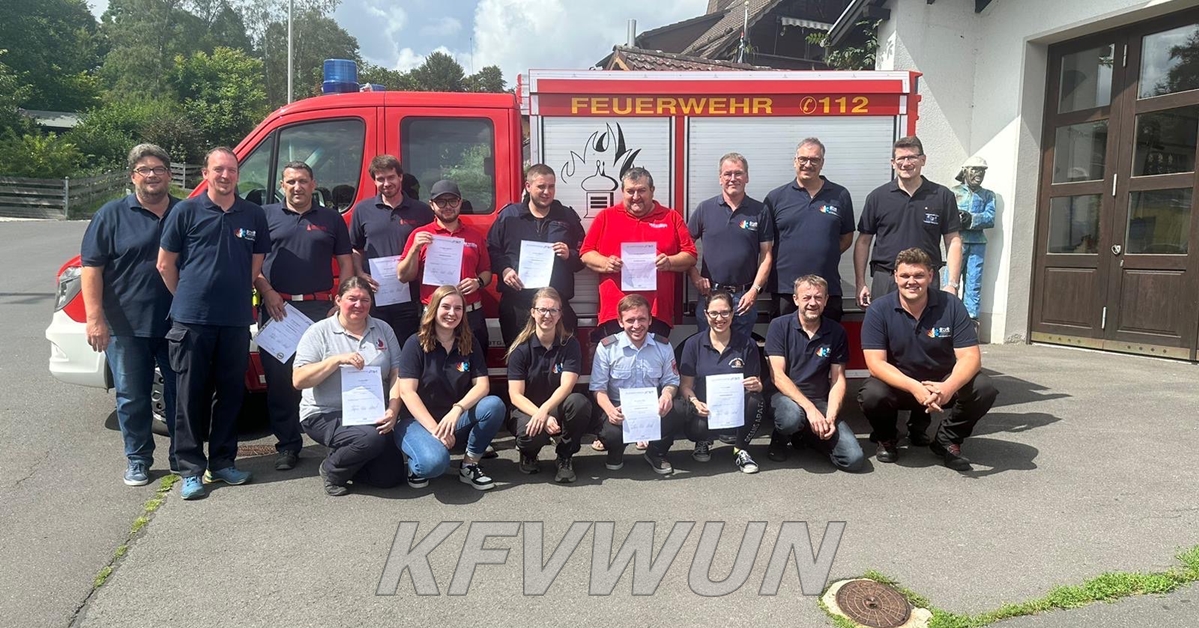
(657,225)
(382,346)
(557,368)
(824,351)
(246,234)
(931,218)
(831,210)
(312,227)
(737,363)
(463,366)
(940,332)
(749,225)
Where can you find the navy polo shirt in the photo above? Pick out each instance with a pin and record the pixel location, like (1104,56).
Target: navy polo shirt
(216,254)
(515,223)
(123,237)
(921,349)
(700,359)
(732,238)
(381,231)
(901,222)
(809,360)
(303,247)
(541,369)
(444,376)
(809,234)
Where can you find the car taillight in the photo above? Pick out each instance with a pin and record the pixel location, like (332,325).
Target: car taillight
(69,284)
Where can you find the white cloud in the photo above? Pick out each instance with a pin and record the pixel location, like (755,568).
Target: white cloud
(409,59)
(444,26)
(519,35)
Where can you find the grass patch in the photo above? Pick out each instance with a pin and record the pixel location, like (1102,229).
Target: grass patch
(1107,587)
(148,509)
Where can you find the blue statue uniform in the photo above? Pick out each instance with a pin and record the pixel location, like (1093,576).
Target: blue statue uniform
(979,205)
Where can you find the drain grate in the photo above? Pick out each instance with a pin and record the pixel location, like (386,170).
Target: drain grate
(253,451)
(873,604)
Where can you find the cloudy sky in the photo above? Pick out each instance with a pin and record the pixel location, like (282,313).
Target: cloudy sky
(514,34)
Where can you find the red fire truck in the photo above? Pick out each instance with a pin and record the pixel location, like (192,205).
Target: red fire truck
(589,126)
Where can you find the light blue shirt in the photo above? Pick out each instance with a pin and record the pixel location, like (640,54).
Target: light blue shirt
(619,364)
(980,204)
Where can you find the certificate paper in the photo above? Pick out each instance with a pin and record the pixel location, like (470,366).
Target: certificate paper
(443,261)
(536,263)
(280,338)
(726,401)
(391,289)
(640,409)
(361,395)
(638,272)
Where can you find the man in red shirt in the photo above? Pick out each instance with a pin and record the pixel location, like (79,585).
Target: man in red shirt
(638,219)
(446,201)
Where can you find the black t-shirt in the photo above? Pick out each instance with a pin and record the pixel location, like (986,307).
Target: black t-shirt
(541,369)
(445,377)
(809,360)
(921,349)
(700,359)
(809,234)
(901,222)
(303,247)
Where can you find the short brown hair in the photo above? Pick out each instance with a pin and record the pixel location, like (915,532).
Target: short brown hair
(219,149)
(811,280)
(539,170)
(383,163)
(631,302)
(910,141)
(914,256)
(738,157)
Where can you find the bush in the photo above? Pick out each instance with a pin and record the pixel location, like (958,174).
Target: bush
(38,156)
(108,132)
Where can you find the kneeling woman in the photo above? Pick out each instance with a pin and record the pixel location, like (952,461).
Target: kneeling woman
(363,453)
(720,351)
(443,384)
(543,367)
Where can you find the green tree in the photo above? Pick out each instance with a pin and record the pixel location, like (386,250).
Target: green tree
(13,94)
(857,52)
(106,133)
(38,156)
(53,48)
(221,93)
(316,37)
(439,73)
(391,79)
(489,79)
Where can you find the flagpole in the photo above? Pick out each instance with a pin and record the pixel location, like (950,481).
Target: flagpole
(744,35)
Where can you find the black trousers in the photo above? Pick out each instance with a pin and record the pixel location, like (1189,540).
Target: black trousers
(282,398)
(210,373)
(881,405)
(358,452)
(673,426)
(478,327)
(574,416)
(784,304)
(514,312)
(696,426)
(404,318)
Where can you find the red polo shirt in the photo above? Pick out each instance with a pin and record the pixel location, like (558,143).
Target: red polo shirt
(475,259)
(661,225)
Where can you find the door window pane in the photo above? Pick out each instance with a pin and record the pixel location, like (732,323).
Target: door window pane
(254,172)
(1086,79)
(333,149)
(459,149)
(1158,222)
(1074,224)
(1166,141)
(1079,151)
(1170,62)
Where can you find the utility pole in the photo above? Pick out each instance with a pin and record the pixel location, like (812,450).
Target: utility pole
(290,71)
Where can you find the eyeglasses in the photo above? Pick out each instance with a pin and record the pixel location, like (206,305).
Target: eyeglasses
(809,160)
(906,159)
(720,314)
(146,171)
(452,201)
(732,175)
(547,311)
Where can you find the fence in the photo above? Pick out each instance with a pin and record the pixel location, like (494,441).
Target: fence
(56,198)
(186,176)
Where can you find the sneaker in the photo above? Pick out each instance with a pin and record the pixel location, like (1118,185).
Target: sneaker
(472,474)
(566,472)
(416,481)
(228,475)
(745,463)
(615,459)
(135,474)
(778,447)
(193,488)
(528,463)
(952,455)
(728,439)
(331,489)
(286,460)
(660,464)
(703,451)
(887,451)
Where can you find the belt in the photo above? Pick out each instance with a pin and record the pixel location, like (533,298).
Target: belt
(473,306)
(731,288)
(315,296)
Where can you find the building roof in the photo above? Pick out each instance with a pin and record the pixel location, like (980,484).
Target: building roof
(723,33)
(636,59)
(54,119)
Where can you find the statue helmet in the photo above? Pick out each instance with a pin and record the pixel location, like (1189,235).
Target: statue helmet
(975,162)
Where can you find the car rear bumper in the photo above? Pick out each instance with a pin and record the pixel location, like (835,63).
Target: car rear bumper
(72,360)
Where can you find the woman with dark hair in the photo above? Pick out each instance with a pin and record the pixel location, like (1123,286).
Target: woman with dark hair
(544,363)
(443,384)
(719,351)
(362,453)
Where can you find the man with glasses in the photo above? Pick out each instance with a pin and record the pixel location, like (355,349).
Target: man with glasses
(305,241)
(446,200)
(379,227)
(813,218)
(738,235)
(908,212)
(128,305)
(213,246)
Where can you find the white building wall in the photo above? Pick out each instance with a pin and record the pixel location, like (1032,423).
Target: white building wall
(983,93)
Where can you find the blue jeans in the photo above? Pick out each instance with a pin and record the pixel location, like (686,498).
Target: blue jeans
(842,448)
(132,361)
(972,276)
(742,323)
(428,457)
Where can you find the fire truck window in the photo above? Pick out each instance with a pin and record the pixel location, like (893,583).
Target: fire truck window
(459,149)
(254,173)
(333,149)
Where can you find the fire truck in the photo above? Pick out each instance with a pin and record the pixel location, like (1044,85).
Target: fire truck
(590,127)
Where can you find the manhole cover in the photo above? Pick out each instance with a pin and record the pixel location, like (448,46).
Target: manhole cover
(873,604)
(253,451)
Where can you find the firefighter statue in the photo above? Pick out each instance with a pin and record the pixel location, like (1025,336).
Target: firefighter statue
(976,206)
